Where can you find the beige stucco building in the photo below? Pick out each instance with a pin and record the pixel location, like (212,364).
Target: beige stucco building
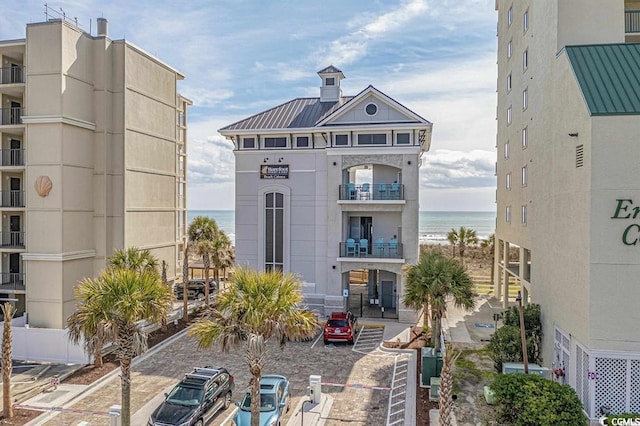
(567,175)
(99,123)
(327,188)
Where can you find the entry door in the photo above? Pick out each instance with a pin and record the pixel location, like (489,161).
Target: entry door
(14,267)
(14,186)
(15,153)
(16,74)
(14,230)
(15,112)
(387,294)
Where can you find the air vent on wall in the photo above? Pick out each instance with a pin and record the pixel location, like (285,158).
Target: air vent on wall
(579,155)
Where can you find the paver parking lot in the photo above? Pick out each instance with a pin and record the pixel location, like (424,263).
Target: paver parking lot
(336,363)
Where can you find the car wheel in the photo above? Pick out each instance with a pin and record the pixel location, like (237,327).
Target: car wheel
(350,341)
(227,400)
(326,342)
(200,296)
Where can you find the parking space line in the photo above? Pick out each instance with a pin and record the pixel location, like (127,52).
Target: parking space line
(317,340)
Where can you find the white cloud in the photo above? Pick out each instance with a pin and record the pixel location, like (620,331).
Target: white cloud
(451,169)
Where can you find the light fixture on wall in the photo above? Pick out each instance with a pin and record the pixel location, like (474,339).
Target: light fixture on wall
(265,159)
(409,162)
(573,135)
(333,267)
(280,159)
(335,164)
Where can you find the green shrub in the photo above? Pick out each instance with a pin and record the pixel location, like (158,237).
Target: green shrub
(532,400)
(506,343)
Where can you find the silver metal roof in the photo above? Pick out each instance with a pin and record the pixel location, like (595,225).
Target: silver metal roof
(330,69)
(297,113)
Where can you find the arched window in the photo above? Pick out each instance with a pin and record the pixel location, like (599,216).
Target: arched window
(274,231)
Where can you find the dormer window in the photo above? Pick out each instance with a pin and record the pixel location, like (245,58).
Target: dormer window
(330,81)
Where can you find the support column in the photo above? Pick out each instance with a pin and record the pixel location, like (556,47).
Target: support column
(497,282)
(525,295)
(505,274)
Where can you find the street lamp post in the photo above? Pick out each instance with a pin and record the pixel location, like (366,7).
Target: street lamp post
(525,358)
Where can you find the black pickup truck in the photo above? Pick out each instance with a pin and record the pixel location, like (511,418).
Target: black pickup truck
(196,289)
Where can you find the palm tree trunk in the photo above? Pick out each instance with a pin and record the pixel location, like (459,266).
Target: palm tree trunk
(446,387)
(125,379)
(185,285)
(97,354)
(435,335)
(425,315)
(207,265)
(255,395)
(7,366)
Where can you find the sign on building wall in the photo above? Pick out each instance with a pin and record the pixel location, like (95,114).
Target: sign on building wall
(269,171)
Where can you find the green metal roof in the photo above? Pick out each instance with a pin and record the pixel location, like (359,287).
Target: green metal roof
(609,77)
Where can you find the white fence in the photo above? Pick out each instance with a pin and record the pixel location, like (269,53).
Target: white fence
(44,344)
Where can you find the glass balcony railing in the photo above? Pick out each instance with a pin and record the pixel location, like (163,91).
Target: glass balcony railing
(12,239)
(11,157)
(376,250)
(12,281)
(376,191)
(11,75)
(12,115)
(632,21)
(12,198)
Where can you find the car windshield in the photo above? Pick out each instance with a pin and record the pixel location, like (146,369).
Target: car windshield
(267,402)
(337,323)
(185,396)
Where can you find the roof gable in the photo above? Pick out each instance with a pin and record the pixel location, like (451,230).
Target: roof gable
(388,110)
(608,76)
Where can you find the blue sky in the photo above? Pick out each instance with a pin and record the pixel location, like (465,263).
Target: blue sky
(240,57)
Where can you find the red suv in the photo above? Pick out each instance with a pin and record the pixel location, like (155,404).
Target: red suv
(339,327)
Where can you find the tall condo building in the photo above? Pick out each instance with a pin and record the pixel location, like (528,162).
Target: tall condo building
(568,196)
(327,188)
(93,159)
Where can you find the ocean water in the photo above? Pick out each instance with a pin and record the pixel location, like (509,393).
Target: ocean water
(433,227)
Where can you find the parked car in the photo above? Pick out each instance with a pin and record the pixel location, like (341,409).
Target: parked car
(196,399)
(275,401)
(341,326)
(196,289)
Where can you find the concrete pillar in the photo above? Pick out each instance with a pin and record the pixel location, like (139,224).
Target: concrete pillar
(497,283)
(505,274)
(525,295)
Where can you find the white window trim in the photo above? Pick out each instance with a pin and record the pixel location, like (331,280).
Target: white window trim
(525,137)
(256,142)
(510,16)
(404,144)
(509,49)
(506,150)
(507,216)
(509,83)
(374,104)
(525,20)
(524,175)
(524,214)
(525,98)
(509,117)
(525,59)
(309,145)
(507,182)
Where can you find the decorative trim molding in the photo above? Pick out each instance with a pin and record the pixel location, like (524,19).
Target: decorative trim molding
(59,257)
(47,119)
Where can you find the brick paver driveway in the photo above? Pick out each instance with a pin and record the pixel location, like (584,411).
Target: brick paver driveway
(336,363)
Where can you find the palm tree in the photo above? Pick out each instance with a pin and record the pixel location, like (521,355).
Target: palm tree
(118,301)
(490,245)
(257,308)
(7,363)
(220,253)
(202,234)
(463,237)
(434,280)
(446,387)
(134,259)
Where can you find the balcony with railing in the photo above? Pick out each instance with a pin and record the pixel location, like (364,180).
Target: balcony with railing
(377,191)
(11,157)
(11,116)
(12,239)
(10,281)
(12,75)
(11,198)
(632,21)
(357,249)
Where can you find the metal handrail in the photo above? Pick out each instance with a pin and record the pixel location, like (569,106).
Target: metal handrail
(11,75)
(375,250)
(11,198)
(12,239)
(12,157)
(632,21)
(12,115)
(12,280)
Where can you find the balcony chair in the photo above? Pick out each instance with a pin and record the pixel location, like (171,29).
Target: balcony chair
(393,247)
(351,189)
(382,191)
(394,191)
(351,247)
(380,247)
(364,247)
(364,192)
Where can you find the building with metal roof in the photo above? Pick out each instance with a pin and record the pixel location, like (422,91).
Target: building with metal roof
(568,195)
(327,187)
